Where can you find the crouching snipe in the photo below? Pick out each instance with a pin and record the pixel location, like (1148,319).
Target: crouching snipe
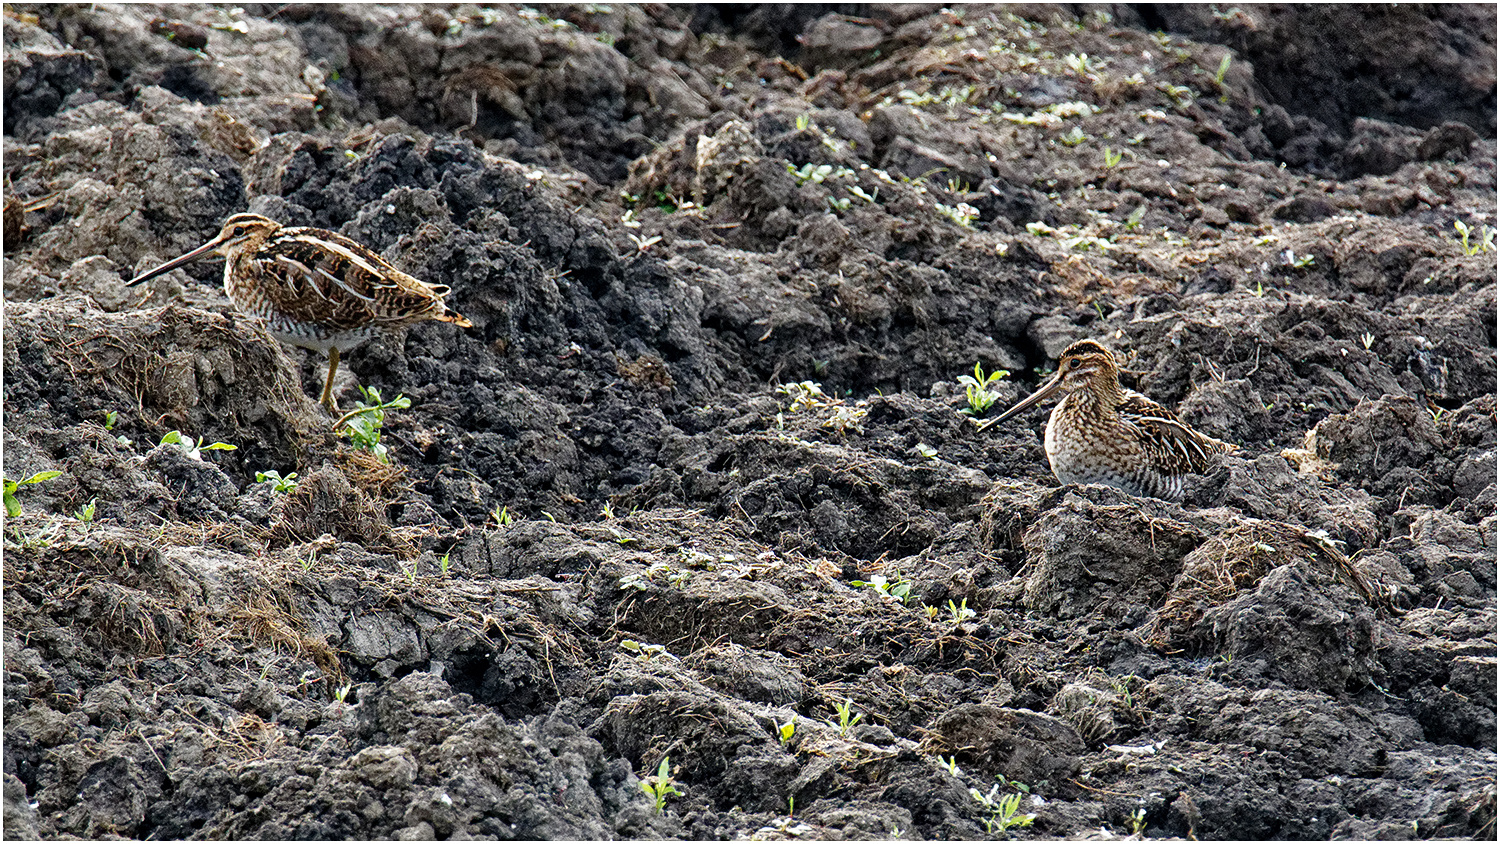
(315,289)
(1101,433)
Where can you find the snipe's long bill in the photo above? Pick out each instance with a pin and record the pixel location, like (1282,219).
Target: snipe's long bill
(1101,433)
(314,288)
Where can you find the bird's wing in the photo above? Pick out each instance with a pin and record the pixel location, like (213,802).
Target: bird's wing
(1174,446)
(354,283)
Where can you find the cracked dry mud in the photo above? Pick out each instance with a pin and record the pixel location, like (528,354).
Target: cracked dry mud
(605,537)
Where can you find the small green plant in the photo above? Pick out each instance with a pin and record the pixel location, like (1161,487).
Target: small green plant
(847,716)
(803,121)
(1219,78)
(190,448)
(838,203)
(931,611)
(1135,217)
(926,451)
(1003,811)
(1073,137)
(363,424)
(443,563)
(660,786)
(791,805)
(1081,64)
(87,513)
(13,504)
(804,395)
(279,483)
(960,612)
(977,389)
(1485,243)
(502,516)
(1181,95)
(1138,821)
(665,202)
(1259,291)
(309,561)
(963,213)
(897,590)
(951,765)
(1112,158)
(817,173)
(860,192)
(784,732)
(646,652)
(110,419)
(1368,339)
(342,692)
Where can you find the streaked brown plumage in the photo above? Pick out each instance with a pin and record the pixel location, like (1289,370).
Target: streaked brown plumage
(1101,433)
(314,288)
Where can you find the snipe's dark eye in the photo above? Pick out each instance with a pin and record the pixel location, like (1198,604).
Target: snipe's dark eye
(238,230)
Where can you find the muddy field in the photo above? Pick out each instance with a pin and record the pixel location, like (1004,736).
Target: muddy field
(701,484)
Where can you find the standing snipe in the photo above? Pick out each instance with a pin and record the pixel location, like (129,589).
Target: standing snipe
(314,288)
(1101,433)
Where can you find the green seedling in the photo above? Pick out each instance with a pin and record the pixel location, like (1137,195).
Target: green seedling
(1073,137)
(803,121)
(110,419)
(13,504)
(1002,811)
(785,731)
(443,563)
(951,765)
(502,516)
(963,213)
(363,424)
(1138,821)
(342,692)
(279,483)
(193,449)
(1485,242)
(1219,78)
(1135,217)
(847,716)
(960,612)
(932,612)
(660,785)
(1112,158)
(646,652)
(897,590)
(977,389)
(87,513)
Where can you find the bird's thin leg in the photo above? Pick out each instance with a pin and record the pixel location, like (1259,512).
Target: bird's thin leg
(333,366)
